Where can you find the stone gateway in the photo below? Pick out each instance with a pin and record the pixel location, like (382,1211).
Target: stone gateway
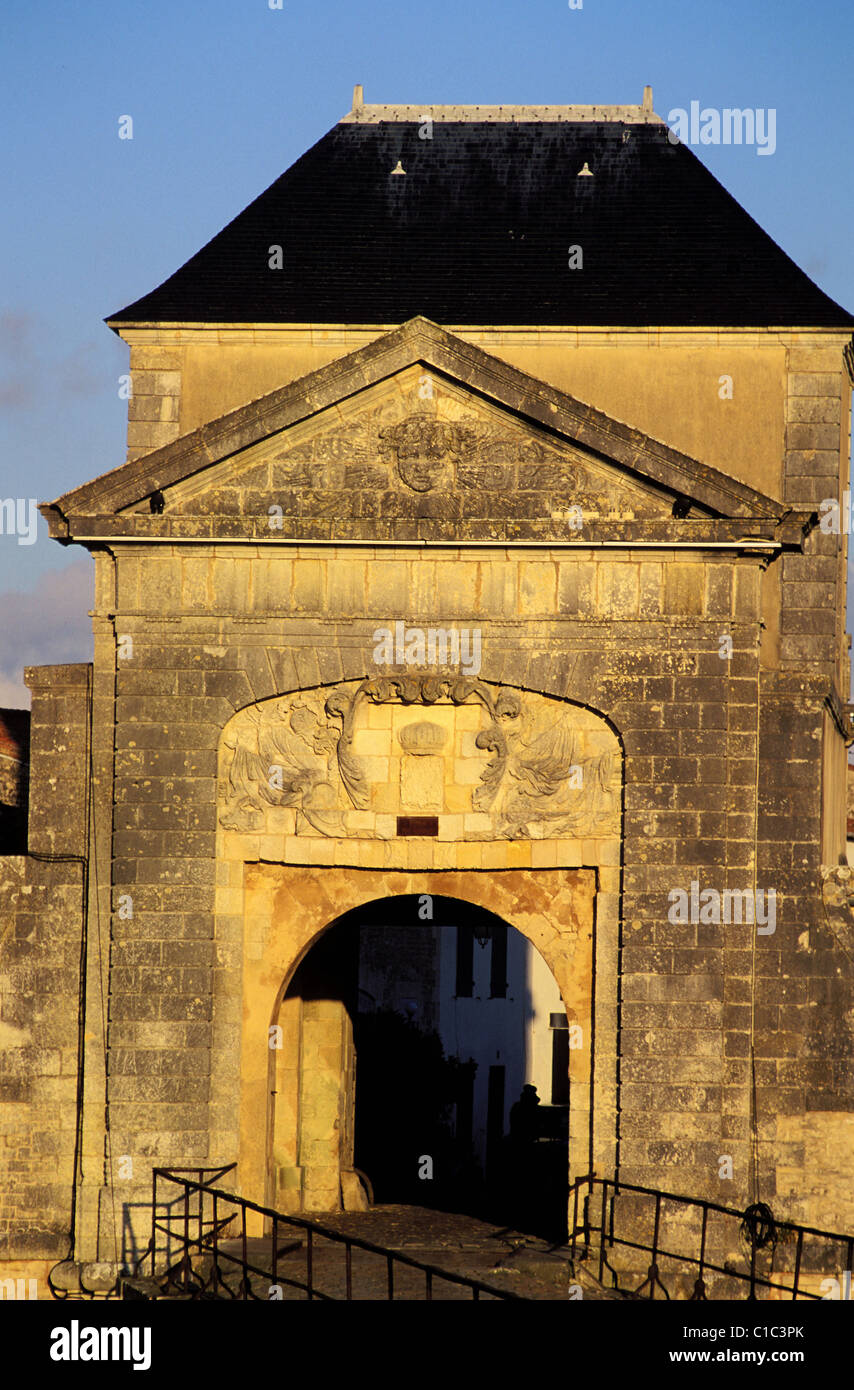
(445,431)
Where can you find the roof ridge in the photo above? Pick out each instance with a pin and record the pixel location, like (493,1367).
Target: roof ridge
(375,112)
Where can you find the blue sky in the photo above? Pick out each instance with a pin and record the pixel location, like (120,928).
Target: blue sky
(225,94)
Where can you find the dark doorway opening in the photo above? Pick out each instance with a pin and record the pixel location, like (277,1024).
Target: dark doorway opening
(451,1018)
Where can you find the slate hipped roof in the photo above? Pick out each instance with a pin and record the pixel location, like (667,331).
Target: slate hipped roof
(478,231)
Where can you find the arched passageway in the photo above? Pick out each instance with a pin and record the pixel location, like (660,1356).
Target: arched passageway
(423,1057)
(325,795)
(288,909)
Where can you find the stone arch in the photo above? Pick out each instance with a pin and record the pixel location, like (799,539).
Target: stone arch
(526,794)
(311,1070)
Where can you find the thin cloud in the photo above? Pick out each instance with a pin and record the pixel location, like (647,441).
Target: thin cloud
(18,361)
(49,625)
(80,374)
(26,364)
(12,694)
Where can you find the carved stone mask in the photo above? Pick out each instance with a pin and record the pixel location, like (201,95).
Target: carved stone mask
(423,446)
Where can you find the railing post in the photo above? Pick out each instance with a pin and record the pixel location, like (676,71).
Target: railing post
(798,1253)
(154,1223)
(243,1283)
(309,1252)
(185,1264)
(215,1243)
(602,1229)
(653,1268)
(700,1283)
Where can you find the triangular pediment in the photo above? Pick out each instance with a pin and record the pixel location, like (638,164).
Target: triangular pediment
(418,436)
(420,449)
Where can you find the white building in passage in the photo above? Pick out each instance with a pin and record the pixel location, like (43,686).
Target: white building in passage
(499,1005)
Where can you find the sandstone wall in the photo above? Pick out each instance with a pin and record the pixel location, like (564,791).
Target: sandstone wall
(635,637)
(42,940)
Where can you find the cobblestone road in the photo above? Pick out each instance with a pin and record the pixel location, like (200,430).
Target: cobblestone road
(507,1260)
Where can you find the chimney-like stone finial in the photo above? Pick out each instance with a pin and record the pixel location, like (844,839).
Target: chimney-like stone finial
(647,98)
(358,97)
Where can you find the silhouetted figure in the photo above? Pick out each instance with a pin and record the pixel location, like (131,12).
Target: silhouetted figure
(524,1118)
(522,1179)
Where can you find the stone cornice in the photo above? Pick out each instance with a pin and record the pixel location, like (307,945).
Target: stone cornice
(172,334)
(684,533)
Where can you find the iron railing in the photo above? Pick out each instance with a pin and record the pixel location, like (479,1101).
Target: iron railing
(200,1225)
(803,1249)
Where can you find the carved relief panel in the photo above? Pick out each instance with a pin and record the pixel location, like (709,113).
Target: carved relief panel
(491,763)
(399,451)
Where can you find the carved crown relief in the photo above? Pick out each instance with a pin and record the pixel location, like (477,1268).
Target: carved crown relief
(422,739)
(510,765)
